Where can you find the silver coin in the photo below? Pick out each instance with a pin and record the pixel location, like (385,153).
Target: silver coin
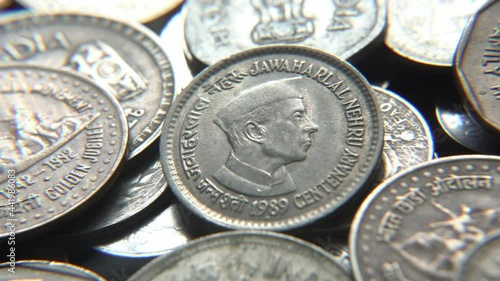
(127,10)
(428,31)
(271,138)
(36,270)
(154,237)
(407,137)
(244,256)
(125,58)
(465,130)
(422,223)
(338,248)
(63,137)
(477,65)
(484,262)
(217,29)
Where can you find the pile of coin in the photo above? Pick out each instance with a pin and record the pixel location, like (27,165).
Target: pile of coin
(250,140)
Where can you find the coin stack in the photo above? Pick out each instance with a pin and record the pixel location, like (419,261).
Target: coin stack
(250,140)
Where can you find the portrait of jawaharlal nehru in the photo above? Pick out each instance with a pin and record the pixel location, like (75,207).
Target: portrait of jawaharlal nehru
(268,128)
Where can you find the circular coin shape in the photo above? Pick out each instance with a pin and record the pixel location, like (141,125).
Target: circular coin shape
(38,270)
(126,59)
(243,255)
(63,137)
(217,29)
(422,223)
(428,31)
(477,65)
(271,138)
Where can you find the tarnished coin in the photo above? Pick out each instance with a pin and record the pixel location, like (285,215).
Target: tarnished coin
(423,223)
(62,139)
(428,31)
(155,236)
(243,255)
(127,10)
(484,262)
(217,29)
(38,270)
(465,130)
(407,137)
(272,138)
(477,64)
(125,58)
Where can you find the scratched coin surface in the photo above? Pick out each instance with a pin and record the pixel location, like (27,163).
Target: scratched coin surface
(128,10)
(272,138)
(244,255)
(477,65)
(428,31)
(42,270)
(216,29)
(424,222)
(62,139)
(125,58)
(407,137)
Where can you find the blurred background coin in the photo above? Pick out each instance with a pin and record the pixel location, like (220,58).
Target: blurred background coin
(5,3)
(428,31)
(63,139)
(47,271)
(272,138)
(244,256)
(126,58)
(422,223)
(477,65)
(217,29)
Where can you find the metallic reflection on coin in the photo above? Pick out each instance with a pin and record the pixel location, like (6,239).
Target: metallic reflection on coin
(218,29)
(484,262)
(477,65)
(5,3)
(244,256)
(41,270)
(272,138)
(63,137)
(428,31)
(407,137)
(157,236)
(422,223)
(338,248)
(128,10)
(127,59)
(465,130)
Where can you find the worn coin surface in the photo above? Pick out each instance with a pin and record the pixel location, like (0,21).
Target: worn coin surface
(62,139)
(464,129)
(38,270)
(428,31)
(477,65)
(128,10)
(484,262)
(272,138)
(244,255)
(216,29)
(125,58)
(407,137)
(423,223)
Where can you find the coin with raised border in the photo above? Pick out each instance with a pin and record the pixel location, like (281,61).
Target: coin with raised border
(46,271)
(126,58)
(63,139)
(423,223)
(272,138)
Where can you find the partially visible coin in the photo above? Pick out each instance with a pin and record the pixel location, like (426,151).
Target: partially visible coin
(272,138)
(217,29)
(422,223)
(407,137)
(484,261)
(428,31)
(62,140)
(244,256)
(127,10)
(464,129)
(126,58)
(477,65)
(37,270)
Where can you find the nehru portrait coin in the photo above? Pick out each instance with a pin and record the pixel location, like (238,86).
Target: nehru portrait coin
(272,138)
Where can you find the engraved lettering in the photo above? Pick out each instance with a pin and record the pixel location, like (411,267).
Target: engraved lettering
(95,136)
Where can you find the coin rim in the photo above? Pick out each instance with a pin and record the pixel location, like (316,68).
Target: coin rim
(49,263)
